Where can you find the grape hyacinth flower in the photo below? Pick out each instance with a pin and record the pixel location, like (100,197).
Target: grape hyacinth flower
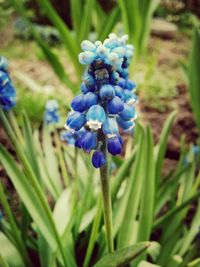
(7,90)
(106,103)
(107,100)
(51,115)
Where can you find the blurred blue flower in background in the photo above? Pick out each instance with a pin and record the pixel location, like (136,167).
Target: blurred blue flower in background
(67,137)
(51,115)
(7,90)
(107,101)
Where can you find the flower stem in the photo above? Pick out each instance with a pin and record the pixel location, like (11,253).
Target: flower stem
(107,206)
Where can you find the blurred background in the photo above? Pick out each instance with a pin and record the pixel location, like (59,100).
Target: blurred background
(41,40)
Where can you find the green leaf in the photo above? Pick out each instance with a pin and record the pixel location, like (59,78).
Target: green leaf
(9,254)
(121,174)
(51,159)
(194,77)
(133,195)
(27,195)
(86,20)
(148,191)
(30,148)
(45,175)
(169,188)
(123,256)
(109,23)
(76,10)
(56,64)
(163,145)
(194,263)
(3,263)
(154,250)
(45,252)
(147,264)
(94,232)
(68,40)
(193,231)
(63,210)
(175,210)
(87,219)
(16,235)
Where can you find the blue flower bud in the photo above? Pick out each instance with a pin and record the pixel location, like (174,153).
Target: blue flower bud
(95,117)
(88,141)
(124,73)
(114,77)
(102,51)
(111,42)
(119,92)
(85,89)
(113,60)
(82,102)
(125,125)
(130,98)
(114,145)
(88,46)
(107,92)
(75,121)
(120,51)
(115,106)
(128,113)
(78,142)
(130,85)
(90,99)
(110,127)
(4,79)
(122,83)
(86,57)
(89,81)
(78,103)
(129,51)
(98,159)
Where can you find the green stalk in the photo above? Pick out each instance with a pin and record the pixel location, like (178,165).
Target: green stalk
(106,194)
(34,182)
(16,234)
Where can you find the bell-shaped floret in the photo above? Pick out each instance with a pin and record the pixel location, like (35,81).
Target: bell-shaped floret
(98,159)
(95,117)
(115,106)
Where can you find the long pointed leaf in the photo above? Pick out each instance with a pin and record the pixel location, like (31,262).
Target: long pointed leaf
(123,256)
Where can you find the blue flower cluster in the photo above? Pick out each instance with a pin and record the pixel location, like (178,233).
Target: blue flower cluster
(7,91)
(107,101)
(51,115)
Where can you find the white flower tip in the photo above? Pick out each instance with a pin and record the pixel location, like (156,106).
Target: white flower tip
(94,124)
